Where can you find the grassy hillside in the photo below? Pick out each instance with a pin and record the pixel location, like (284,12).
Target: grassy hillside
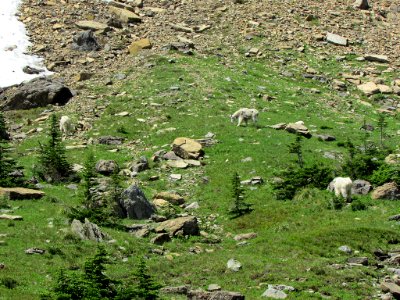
(298,240)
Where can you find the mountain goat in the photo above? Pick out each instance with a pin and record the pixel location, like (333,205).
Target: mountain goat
(341,186)
(245,114)
(66,127)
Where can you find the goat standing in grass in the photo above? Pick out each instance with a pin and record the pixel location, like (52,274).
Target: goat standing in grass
(245,114)
(342,187)
(66,127)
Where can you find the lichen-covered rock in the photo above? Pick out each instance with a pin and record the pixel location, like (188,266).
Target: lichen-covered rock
(88,231)
(133,204)
(388,191)
(187,148)
(180,226)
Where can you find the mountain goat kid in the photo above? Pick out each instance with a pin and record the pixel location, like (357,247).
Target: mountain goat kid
(66,127)
(341,186)
(245,114)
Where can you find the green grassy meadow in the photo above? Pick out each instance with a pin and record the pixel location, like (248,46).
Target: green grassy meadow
(298,240)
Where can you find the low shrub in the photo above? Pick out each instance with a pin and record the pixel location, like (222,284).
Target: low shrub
(294,179)
(385,173)
(357,205)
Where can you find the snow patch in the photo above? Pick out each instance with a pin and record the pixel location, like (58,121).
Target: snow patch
(13,45)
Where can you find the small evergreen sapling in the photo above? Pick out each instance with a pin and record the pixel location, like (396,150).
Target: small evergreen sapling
(382,124)
(3,129)
(296,148)
(240,207)
(88,175)
(146,288)
(53,164)
(7,163)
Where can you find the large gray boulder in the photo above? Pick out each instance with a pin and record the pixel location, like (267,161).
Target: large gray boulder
(133,204)
(38,92)
(361,187)
(88,231)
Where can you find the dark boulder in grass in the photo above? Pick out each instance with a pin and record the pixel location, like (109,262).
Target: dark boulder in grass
(133,204)
(38,92)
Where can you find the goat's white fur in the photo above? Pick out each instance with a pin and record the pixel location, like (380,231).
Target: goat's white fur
(245,114)
(66,127)
(342,187)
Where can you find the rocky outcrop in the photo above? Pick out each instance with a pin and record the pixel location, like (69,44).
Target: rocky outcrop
(187,148)
(38,92)
(107,167)
(133,204)
(88,231)
(180,226)
(388,191)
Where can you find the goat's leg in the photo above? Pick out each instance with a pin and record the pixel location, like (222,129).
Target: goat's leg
(240,119)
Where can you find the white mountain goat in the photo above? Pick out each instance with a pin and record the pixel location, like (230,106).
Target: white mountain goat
(245,114)
(342,187)
(66,127)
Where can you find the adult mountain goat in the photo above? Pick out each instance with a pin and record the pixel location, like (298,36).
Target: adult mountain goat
(66,127)
(245,114)
(342,187)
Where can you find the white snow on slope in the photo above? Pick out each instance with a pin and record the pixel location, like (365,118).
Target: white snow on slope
(13,44)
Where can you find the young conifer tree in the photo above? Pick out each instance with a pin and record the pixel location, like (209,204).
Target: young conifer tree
(53,162)
(240,207)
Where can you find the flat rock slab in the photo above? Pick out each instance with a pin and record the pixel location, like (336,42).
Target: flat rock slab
(274,294)
(393,288)
(336,39)
(11,217)
(19,193)
(245,236)
(91,25)
(377,58)
(369,88)
(125,15)
(298,129)
(35,251)
(178,164)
